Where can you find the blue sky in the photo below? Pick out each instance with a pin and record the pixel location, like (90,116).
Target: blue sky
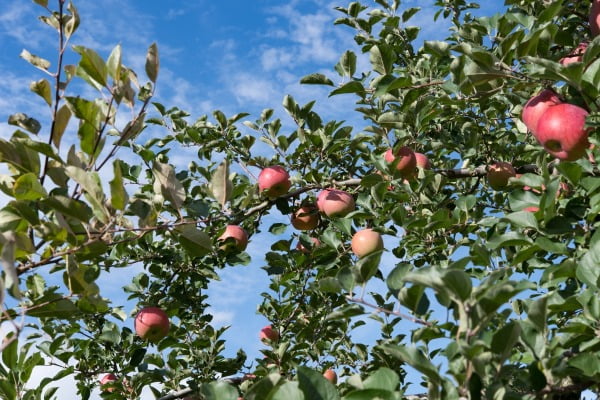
(234,56)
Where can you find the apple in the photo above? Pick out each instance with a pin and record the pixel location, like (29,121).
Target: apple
(499,173)
(152,324)
(305,218)
(238,234)
(536,106)
(330,375)
(335,203)
(269,334)
(106,379)
(531,209)
(407,160)
(274,181)
(561,130)
(595,18)
(365,242)
(422,161)
(576,55)
(300,246)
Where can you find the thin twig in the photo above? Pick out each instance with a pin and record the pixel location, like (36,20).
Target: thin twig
(386,311)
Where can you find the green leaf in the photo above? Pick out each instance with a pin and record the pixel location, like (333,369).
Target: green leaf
(350,87)
(43,3)
(90,182)
(168,184)
(382,58)
(587,269)
(314,386)
(10,353)
(508,239)
(91,66)
(220,185)
(196,242)
(61,120)
(383,379)
(588,363)
(348,63)
(28,187)
(23,121)
(263,388)
(113,64)
(152,62)
(413,357)
(459,283)
(288,391)
(522,219)
(72,21)
(11,280)
(437,47)
(43,89)
(505,338)
(118,195)
(370,394)
(36,61)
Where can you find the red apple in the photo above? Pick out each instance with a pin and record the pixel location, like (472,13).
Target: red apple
(422,161)
(595,18)
(238,234)
(152,324)
(106,379)
(536,106)
(561,130)
(274,181)
(269,334)
(407,160)
(305,218)
(330,375)
(499,173)
(300,246)
(335,203)
(365,242)
(574,56)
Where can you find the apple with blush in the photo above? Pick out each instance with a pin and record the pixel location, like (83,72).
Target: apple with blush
(106,380)
(574,56)
(335,203)
(234,237)
(274,181)
(152,324)
(404,159)
(365,242)
(536,106)
(331,376)
(499,173)
(268,334)
(561,130)
(306,218)
(594,18)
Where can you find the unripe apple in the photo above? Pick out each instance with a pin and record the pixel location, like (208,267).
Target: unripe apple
(595,18)
(335,203)
(274,181)
(152,324)
(407,160)
(305,218)
(576,55)
(561,130)
(536,106)
(269,334)
(238,234)
(365,242)
(108,378)
(300,246)
(330,375)
(499,173)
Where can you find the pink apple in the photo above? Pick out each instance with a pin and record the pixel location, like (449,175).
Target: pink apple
(561,130)
(536,106)
(594,18)
(422,161)
(531,209)
(274,181)
(106,379)
(499,173)
(269,334)
(331,376)
(365,242)
(305,218)
(152,324)
(238,234)
(335,203)
(575,56)
(407,160)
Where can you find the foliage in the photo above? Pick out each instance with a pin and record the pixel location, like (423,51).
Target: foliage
(87,197)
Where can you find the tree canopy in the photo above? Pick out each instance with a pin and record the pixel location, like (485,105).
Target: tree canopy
(490,216)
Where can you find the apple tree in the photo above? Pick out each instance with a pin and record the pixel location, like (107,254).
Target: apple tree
(486,281)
